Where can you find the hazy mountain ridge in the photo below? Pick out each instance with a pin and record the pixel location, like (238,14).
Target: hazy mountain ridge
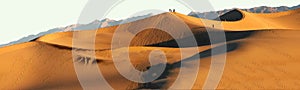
(103,23)
(32,37)
(91,26)
(108,22)
(262,9)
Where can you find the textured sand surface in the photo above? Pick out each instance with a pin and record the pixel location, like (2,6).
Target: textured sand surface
(262,53)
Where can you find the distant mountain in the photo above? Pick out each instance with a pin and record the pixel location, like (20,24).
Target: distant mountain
(103,23)
(295,7)
(108,22)
(93,25)
(32,37)
(263,9)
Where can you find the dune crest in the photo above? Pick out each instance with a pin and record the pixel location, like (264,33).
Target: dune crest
(262,53)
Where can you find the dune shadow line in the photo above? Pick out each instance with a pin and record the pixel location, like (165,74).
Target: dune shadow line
(203,38)
(162,80)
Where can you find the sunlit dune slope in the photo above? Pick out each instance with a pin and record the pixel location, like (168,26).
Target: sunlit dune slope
(265,60)
(250,21)
(104,36)
(262,53)
(36,65)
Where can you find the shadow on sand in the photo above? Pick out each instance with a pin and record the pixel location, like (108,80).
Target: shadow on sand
(203,38)
(162,80)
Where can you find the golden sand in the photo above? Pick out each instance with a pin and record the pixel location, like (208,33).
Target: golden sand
(262,54)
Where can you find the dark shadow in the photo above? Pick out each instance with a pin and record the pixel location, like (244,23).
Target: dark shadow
(162,80)
(159,82)
(233,15)
(203,38)
(229,47)
(34,39)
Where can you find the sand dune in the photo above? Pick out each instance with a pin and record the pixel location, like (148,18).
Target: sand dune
(284,20)
(249,21)
(261,53)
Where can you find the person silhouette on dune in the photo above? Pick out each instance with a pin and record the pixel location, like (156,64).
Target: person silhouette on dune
(170,10)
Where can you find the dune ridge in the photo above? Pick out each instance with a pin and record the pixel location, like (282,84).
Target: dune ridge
(261,53)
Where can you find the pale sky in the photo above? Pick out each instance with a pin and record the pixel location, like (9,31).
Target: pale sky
(20,18)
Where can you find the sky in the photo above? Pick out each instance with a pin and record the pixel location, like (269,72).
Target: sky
(20,18)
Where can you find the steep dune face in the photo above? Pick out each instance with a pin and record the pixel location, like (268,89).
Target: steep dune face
(250,21)
(152,33)
(233,15)
(261,52)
